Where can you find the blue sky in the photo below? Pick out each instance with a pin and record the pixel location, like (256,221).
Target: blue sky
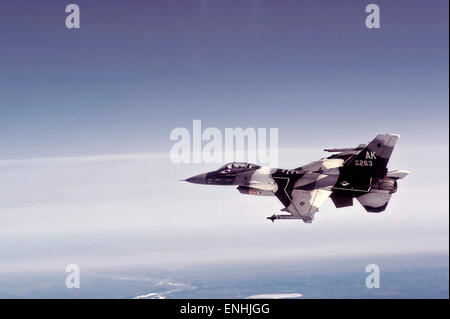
(137,69)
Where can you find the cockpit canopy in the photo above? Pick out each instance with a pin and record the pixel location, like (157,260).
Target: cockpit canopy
(238,167)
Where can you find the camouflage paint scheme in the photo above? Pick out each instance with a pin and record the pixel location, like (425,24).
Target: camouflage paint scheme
(359,172)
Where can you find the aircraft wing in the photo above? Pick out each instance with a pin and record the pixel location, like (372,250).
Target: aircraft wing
(304,203)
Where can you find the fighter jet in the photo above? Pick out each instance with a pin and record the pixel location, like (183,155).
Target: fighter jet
(349,173)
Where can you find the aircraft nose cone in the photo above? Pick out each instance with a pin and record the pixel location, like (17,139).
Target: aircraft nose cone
(198,179)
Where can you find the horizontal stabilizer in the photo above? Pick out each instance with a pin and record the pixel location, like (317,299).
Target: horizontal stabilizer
(374,202)
(398,174)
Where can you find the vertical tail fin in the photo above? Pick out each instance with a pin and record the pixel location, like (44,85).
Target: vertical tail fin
(373,159)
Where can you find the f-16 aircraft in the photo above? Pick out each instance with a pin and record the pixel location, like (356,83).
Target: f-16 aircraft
(359,172)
